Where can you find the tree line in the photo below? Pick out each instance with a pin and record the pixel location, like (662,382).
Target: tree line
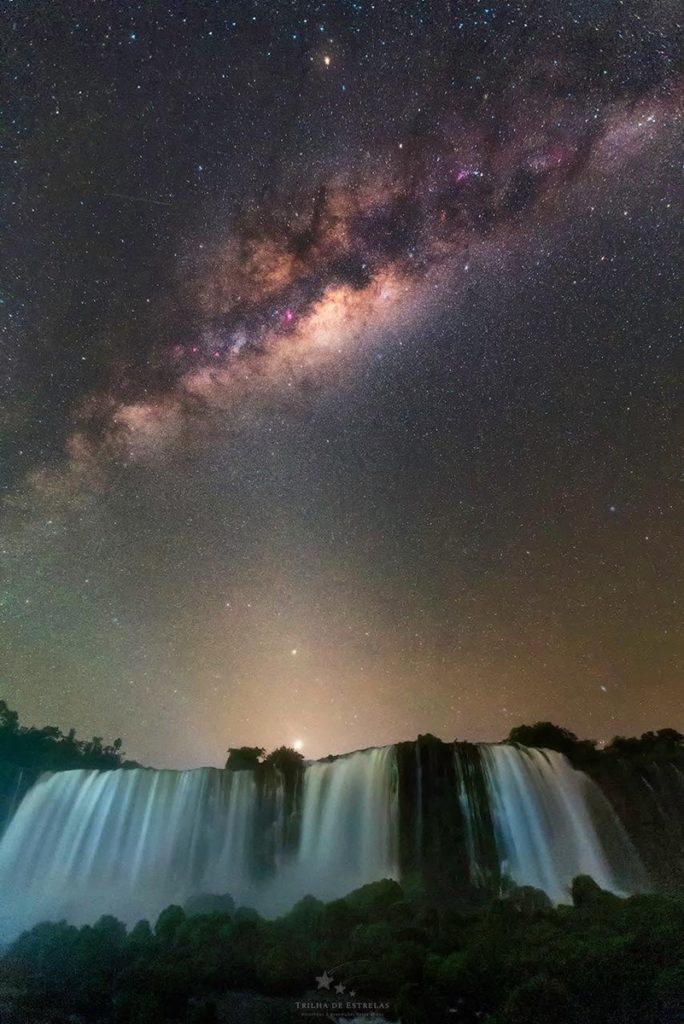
(49,749)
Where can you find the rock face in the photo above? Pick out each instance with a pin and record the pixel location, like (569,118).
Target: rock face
(446,834)
(14,784)
(648,797)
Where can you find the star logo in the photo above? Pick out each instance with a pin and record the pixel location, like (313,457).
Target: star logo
(324,980)
(339,989)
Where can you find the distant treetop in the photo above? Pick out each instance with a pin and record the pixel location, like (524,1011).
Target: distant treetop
(661,744)
(49,749)
(244,758)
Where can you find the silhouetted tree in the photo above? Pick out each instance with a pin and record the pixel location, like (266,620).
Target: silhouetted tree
(663,743)
(244,758)
(548,736)
(9,719)
(48,749)
(285,759)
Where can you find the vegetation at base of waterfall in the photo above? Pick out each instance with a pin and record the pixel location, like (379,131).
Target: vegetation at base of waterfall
(516,960)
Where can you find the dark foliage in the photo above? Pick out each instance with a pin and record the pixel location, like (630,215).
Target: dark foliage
(430,954)
(244,758)
(555,737)
(516,960)
(49,749)
(286,759)
(663,744)
(660,745)
(26,752)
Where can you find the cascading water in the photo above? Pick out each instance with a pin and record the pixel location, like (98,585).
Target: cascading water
(130,842)
(348,831)
(552,823)
(13,784)
(476,811)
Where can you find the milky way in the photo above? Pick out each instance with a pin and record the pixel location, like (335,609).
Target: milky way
(315,379)
(297,280)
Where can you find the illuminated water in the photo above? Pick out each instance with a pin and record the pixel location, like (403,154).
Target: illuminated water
(552,823)
(131,842)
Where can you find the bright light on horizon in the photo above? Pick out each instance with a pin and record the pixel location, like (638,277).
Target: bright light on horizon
(298,744)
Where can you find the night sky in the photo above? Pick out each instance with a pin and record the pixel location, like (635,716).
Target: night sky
(340,389)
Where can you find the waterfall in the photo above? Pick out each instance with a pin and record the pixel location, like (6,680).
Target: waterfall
(476,810)
(347,832)
(130,842)
(349,823)
(552,823)
(17,784)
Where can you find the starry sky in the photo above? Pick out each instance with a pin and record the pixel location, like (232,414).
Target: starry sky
(340,391)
